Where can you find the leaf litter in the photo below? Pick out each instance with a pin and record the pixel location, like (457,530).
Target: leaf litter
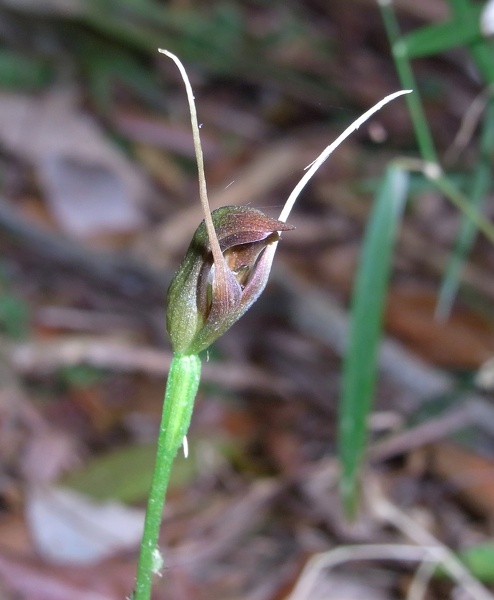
(89,186)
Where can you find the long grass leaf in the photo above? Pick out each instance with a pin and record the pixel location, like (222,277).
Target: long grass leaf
(360,364)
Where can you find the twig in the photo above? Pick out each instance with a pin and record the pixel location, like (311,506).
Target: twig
(46,357)
(108,271)
(391,514)
(423,575)
(474,411)
(304,590)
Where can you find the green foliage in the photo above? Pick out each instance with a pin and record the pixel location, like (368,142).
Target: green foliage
(106,64)
(80,376)
(123,474)
(14,313)
(369,292)
(13,316)
(462,29)
(478,559)
(18,71)
(109,40)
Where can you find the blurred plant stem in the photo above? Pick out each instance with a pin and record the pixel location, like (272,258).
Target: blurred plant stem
(407,79)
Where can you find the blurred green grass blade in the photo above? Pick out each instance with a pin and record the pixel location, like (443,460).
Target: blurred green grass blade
(478,559)
(21,72)
(14,316)
(459,7)
(481,182)
(144,26)
(106,64)
(14,312)
(434,39)
(407,80)
(483,56)
(368,300)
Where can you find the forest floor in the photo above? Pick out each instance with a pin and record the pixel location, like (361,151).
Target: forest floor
(98,204)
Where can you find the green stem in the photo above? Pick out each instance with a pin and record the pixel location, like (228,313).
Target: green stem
(461,201)
(479,186)
(407,80)
(181,390)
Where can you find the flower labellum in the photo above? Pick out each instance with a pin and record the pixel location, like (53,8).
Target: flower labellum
(205,299)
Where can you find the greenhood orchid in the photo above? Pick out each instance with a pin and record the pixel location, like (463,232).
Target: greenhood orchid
(204,300)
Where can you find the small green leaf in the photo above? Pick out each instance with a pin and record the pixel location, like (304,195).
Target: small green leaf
(22,72)
(81,376)
(478,559)
(434,39)
(14,316)
(125,474)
